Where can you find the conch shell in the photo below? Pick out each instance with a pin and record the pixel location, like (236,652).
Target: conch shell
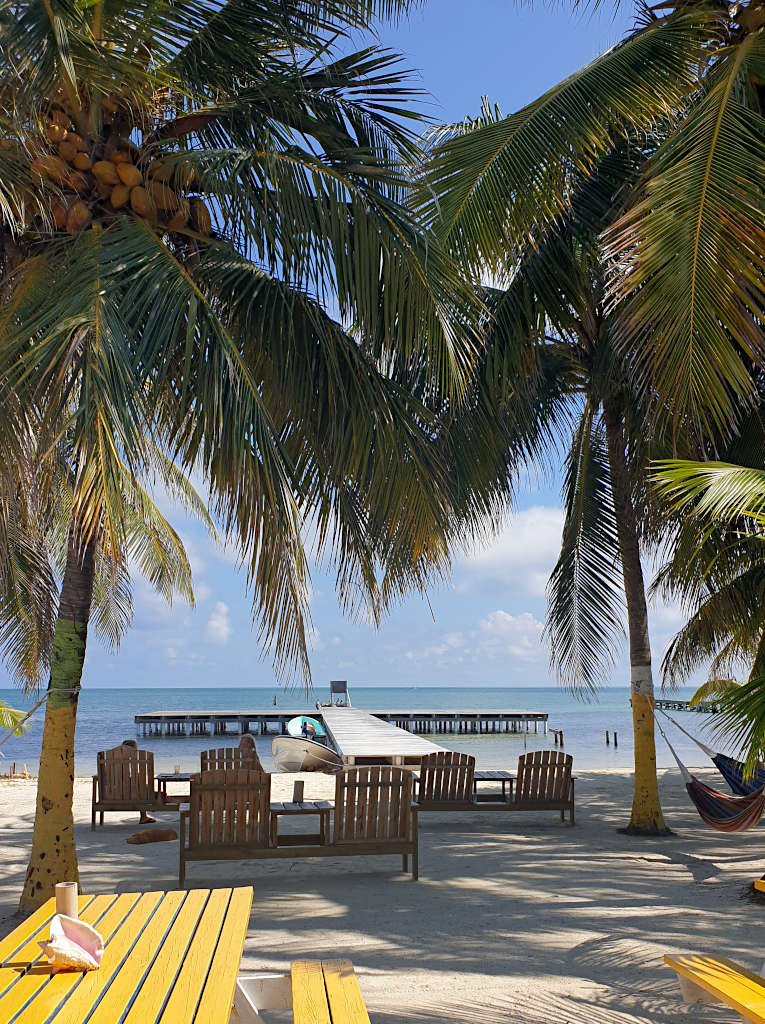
(73,945)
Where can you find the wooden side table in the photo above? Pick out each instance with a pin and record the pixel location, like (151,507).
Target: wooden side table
(162,781)
(318,807)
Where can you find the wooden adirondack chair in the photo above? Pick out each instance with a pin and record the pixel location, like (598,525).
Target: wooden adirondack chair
(228,817)
(544,783)
(124,782)
(374,814)
(446,782)
(230,759)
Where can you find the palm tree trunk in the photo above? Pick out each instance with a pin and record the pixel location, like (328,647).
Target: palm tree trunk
(54,855)
(647,817)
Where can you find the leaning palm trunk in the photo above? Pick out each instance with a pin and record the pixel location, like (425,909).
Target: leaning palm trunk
(54,855)
(646,815)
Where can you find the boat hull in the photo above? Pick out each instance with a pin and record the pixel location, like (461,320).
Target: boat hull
(296,754)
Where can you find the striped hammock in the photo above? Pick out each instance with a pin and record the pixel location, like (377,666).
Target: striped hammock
(732,771)
(718,810)
(726,813)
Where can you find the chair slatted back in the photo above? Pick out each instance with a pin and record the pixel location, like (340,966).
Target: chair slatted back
(230,808)
(373,805)
(543,775)
(125,774)
(230,759)
(446,775)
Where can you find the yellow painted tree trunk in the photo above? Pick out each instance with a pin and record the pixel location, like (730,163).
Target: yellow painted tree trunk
(646,817)
(53,857)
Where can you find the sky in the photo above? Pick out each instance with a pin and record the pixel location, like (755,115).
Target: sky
(484,627)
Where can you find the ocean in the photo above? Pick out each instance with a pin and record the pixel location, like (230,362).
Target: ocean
(105,717)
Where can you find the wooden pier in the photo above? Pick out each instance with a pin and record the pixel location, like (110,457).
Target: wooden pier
(685,705)
(273,721)
(361,738)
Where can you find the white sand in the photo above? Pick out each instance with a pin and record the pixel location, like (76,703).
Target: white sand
(516,919)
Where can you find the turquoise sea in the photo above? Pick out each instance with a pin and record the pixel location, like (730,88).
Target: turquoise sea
(106,717)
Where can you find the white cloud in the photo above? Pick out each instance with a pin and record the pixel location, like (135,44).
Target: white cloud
(522,557)
(219,627)
(315,642)
(519,636)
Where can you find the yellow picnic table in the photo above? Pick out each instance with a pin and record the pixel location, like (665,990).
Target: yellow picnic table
(169,958)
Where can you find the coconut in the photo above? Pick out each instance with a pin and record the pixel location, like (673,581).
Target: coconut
(141,202)
(67,150)
(75,139)
(59,213)
(82,162)
(54,132)
(181,217)
(59,117)
(120,195)
(119,156)
(185,174)
(129,175)
(159,170)
(77,218)
(103,191)
(163,196)
(77,182)
(51,166)
(106,171)
(200,217)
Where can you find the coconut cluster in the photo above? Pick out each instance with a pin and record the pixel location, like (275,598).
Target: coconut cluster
(97,177)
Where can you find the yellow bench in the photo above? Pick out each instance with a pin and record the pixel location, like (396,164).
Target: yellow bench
(707,979)
(169,957)
(325,992)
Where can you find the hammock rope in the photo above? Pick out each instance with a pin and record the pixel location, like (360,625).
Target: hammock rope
(742,782)
(14,730)
(718,810)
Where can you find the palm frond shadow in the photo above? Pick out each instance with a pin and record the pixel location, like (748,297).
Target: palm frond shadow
(553,1010)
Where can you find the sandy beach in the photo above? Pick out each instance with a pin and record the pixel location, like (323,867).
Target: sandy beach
(516,919)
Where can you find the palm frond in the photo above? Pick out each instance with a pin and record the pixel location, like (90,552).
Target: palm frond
(712,491)
(493,186)
(688,253)
(712,688)
(584,610)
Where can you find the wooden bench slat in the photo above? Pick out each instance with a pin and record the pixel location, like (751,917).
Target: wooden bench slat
(309,996)
(129,979)
(729,982)
(183,1000)
(30,979)
(61,984)
(346,1003)
(81,1002)
(218,993)
(166,965)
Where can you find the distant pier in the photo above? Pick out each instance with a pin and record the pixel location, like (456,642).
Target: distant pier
(273,721)
(706,708)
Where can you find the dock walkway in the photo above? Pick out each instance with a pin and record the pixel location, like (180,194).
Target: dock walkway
(361,738)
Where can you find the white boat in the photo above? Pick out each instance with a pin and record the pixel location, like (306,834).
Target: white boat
(296,754)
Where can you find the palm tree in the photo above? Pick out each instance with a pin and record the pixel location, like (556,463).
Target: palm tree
(717,570)
(184,193)
(555,309)
(686,255)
